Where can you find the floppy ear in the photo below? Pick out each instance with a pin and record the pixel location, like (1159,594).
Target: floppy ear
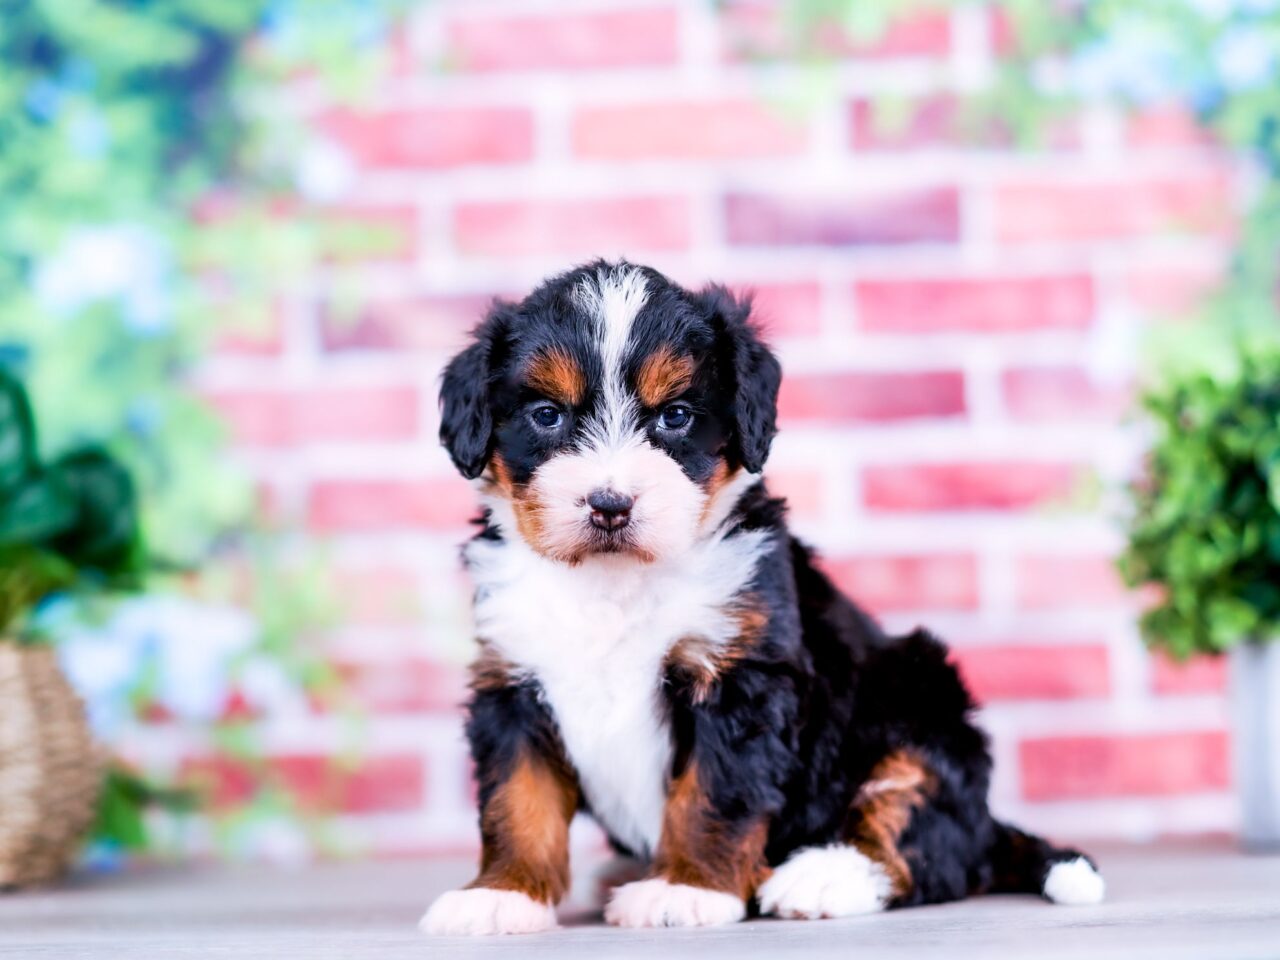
(755,372)
(466,421)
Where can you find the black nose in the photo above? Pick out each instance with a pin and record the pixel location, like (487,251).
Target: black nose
(610,510)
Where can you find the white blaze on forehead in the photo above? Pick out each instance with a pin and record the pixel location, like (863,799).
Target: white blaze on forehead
(613,298)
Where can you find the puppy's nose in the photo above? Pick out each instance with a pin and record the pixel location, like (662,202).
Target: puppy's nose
(610,510)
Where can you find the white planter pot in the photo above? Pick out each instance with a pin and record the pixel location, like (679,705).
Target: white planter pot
(1255,680)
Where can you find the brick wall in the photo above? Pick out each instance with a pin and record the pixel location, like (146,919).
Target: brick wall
(959,323)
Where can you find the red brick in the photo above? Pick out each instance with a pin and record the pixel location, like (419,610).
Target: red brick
(340,233)
(1061,393)
(760,31)
(973,305)
(1068,580)
(1168,126)
(872,397)
(383,783)
(1016,672)
(929,123)
(1172,292)
(413,324)
(924,216)
(371,505)
(403,684)
(1003,32)
(284,418)
(383,595)
(1200,674)
(1056,210)
(1001,485)
(894,583)
(363,232)
(252,332)
(576,227)
(688,130)
(787,309)
(433,138)
(1068,768)
(579,41)
(802,490)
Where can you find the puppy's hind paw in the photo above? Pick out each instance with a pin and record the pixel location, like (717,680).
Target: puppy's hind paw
(825,882)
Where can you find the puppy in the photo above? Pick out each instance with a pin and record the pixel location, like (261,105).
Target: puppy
(657,650)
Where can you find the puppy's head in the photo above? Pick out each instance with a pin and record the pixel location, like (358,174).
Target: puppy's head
(608,407)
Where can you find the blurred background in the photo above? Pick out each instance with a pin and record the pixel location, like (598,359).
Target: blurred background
(241,237)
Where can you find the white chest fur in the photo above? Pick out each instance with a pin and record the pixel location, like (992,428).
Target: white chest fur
(594,636)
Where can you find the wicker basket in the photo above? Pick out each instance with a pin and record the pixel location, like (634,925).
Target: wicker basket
(50,768)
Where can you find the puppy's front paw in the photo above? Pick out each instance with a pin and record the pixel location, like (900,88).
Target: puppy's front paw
(657,903)
(481,911)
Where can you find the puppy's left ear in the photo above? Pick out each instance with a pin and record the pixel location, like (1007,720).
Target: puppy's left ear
(466,421)
(755,372)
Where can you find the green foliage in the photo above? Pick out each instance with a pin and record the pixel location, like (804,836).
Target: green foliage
(1206,523)
(70,523)
(121,806)
(117,114)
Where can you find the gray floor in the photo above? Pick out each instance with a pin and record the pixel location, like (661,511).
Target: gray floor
(1199,900)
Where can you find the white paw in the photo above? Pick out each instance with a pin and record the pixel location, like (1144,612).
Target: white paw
(1075,883)
(834,881)
(482,912)
(657,903)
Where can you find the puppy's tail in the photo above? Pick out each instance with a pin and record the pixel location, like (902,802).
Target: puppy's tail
(1025,863)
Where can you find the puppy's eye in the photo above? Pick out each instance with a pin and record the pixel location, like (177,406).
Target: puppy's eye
(676,416)
(547,416)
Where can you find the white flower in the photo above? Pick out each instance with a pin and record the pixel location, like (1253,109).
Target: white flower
(190,645)
(112,262)
(325,172)
(269,690)
(1244,58)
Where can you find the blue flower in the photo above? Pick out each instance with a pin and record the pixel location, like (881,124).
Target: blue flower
(43,99)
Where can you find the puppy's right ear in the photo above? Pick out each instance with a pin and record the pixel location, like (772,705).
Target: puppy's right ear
(466,420)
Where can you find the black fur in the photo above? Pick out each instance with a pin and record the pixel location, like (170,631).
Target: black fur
(466,415)
(756,376)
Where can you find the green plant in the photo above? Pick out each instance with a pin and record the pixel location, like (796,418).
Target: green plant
(68,524)
(1206,523)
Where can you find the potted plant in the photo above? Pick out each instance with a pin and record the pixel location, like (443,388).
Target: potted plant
(69,525)
(1205,530)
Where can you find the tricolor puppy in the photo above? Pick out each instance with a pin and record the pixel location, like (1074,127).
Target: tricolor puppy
(658,651)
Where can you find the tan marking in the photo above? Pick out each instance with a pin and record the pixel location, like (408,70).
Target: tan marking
(526,505)
(663,376)
(490,670)
(525,831)
(703,662)
(499,478)
(557,376)
(700,849)
(898,785)
(720,477)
